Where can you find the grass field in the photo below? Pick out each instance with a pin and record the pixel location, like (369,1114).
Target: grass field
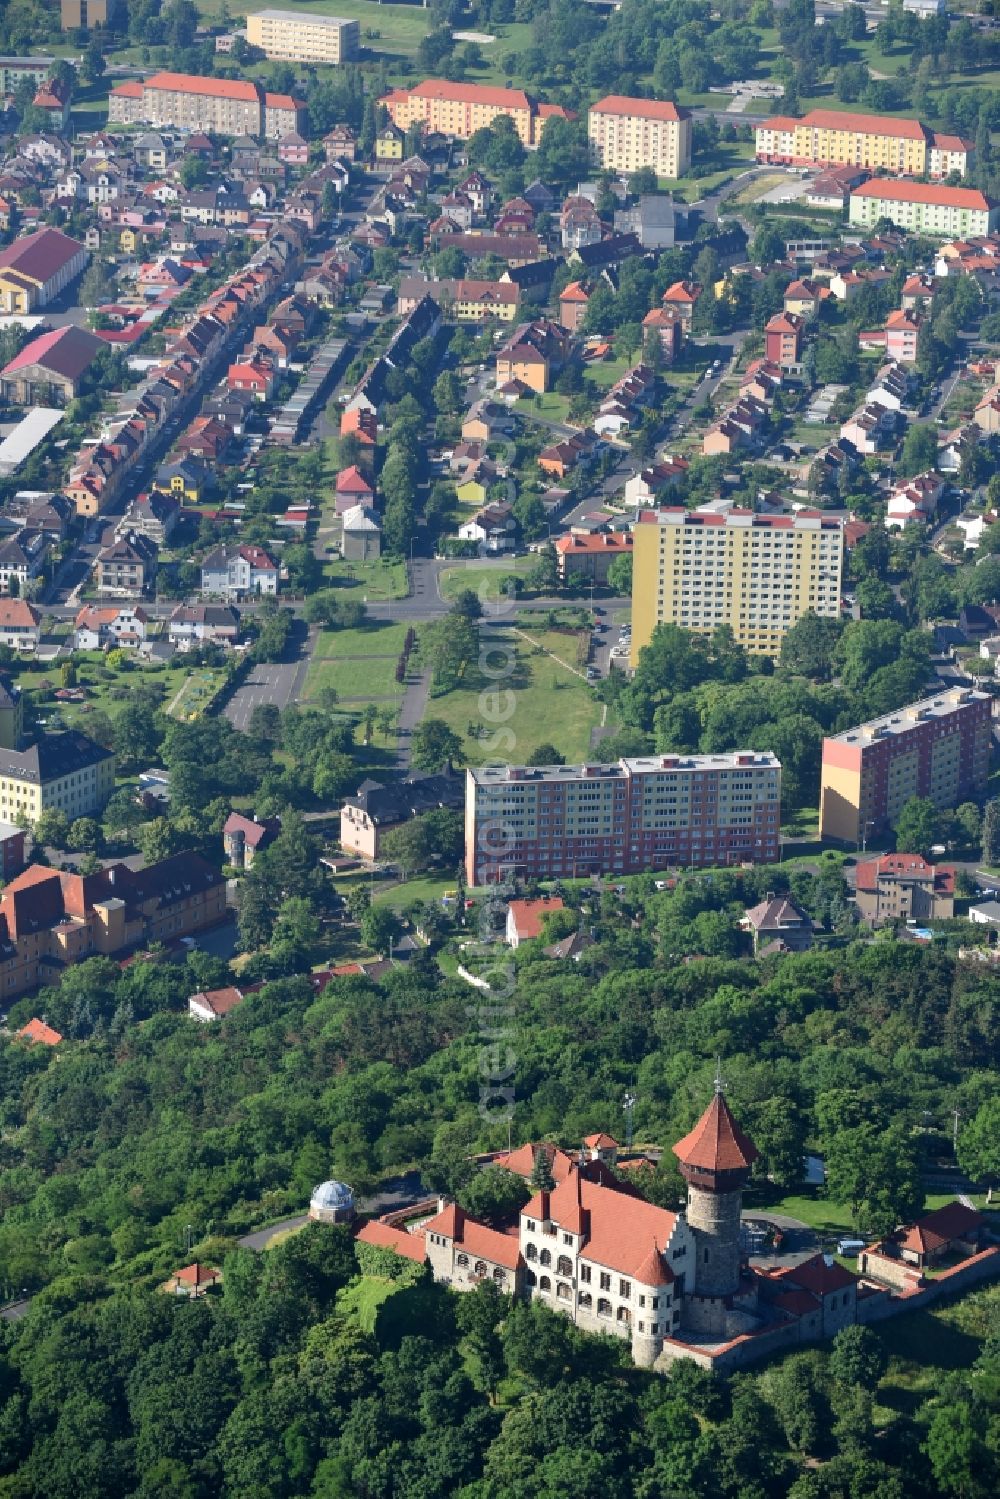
(485,580)
(355,680)
(551,406)
(414,892)
(376,581)
(108,690)
(376,638)
(363,1299)
(544,702)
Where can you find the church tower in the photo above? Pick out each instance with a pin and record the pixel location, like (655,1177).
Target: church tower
(715,1160)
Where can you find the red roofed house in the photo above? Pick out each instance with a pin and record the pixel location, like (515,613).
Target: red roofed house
(386,1236)
(53,99)
(211,1004)
(902,330)
(591,554)
(463,1252)
(904,887)
(20,624)
(681,297)
(244,837)
(254,375)
(783,339)
(193,1280)
(951,1230)
(49,369)
(37,1031)
(573,302)
(669,324)
(820,1293)
(524,917)
(352,488)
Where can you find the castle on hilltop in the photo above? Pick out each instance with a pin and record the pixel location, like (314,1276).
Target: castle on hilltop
(675,1284)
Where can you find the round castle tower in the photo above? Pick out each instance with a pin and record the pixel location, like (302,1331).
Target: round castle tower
(715,1160)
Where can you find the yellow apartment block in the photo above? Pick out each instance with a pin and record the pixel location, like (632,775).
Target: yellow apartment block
(460,109)
(626,134)
(937,748)
(295,36)
(831,137)
(758,574)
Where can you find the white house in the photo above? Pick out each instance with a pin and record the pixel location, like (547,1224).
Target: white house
(97,627)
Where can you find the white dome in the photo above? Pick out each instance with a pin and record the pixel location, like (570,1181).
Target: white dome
(332,1195)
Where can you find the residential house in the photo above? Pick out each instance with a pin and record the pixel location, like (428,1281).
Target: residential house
(783,339)
(902,330)
(533,354)
(209,1005)
(579,223)
(153,515)
(22,557)
(493,527)
(375,808)
(669,324)
(127,567)
(20,624)
(650,483)
(361,535)
(590,555)
(653,221)
(198,624)
(243,838)
(353,488)
(560,458)
(188,479)
(99,628)
(235,572)
(525,918)
(903,887)
(778,924)
(804,298)
(681,297)
(256,376)
(573,302)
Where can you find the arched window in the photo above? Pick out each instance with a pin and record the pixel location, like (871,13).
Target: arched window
(529,1277)
(586,1301)
(462,1259)
(499,1276)
(480,1267)
(545,1258)
(531,1253)
(564,1265)
(624,1315)
(563,1291)
(545,1284)
(603,1307)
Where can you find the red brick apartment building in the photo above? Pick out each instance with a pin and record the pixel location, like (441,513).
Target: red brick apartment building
(50,918)
(656,812)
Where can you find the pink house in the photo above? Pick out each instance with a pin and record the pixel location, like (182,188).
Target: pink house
(352,489)
(293,149)
(902,330)
(255,375)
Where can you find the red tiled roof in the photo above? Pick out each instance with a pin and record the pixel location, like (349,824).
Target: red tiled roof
(219,1001)
(282,101)
(528,914)
(37,1030)
(468,93)
(190,83)
(716,1143)
(18,612)
(352,481)
(475,1238)
(66,351)
(522,1161)
(600,1142)
(574,292)
(894,866)
(41,255)
(819,1275)
(384,1236)
(939,1228)
(923,192)
(835,119)
(622,1231)
(130,90)
(197,1275)
(648,109)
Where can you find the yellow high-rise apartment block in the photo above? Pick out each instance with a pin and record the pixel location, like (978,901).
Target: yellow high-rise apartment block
(756,573)
(626,134)
(880,143)
(294,36)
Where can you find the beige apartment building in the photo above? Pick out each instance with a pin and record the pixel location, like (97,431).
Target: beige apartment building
(292,36)
(227,106)
(756,573)
(626,134)
(460,109)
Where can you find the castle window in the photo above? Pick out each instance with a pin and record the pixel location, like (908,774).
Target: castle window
(479,1268)
(531,1227)
(642,1301)
(531,1253)
(567,1238)
(625,1288)
(654,1302)
(545,1258)
(585,1273)
(605,1281)
(586,1301)
(603,1307)
(564,1265)
(545,1284)
(641,1328)
(563,1291)
(705,1257)
(529,1277)
(624,1315)
(462,1260)
(499,1276)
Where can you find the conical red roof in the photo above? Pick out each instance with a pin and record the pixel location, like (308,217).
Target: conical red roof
(716,1143)
(654,1270)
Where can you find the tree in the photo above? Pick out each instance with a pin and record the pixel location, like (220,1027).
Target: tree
(495,1195)
(94,63)
(84,835)
(767,245)
(620,575)
(545,754)
(920,449)
(807,648)
(877,1174)
(991,832)
(542,1179)
(253,915)
(433,744)
(379,929)
(51,829)
(857,1357)
(917,826)
(979,1144)
(955,1452)
(97,285)
(158,840)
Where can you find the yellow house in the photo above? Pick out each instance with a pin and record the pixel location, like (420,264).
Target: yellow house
(17,293)
(182,479)
(389,143)
(472,492)
(128,240)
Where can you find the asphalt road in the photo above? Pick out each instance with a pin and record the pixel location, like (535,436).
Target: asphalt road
(397,1192)
(277,682)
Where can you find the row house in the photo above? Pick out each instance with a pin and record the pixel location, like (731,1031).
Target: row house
(762,380)
(153,515)
(369,393)
(740,427)
(653,482)
(871,428)
(256,376)
(891,387)
(626,396)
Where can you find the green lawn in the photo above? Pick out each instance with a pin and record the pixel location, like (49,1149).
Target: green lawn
(414,892)
(551,406)
(377,637)
(545,701)
(109,690)
(355,679)
(484,579)
(376,581)
(363,1299)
